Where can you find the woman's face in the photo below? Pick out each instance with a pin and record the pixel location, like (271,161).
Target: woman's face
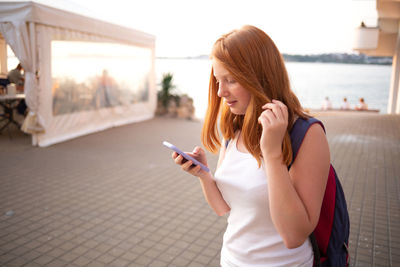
(235,95)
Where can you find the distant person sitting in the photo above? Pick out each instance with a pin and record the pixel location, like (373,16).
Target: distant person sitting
(15,76)
(326,104)
(362,105)
(345,105)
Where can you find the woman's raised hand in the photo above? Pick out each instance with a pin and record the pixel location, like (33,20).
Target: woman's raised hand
(274,121)
(188,166)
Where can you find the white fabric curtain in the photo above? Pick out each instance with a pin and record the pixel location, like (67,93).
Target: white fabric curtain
(45,35)
(66,126)
(18,37)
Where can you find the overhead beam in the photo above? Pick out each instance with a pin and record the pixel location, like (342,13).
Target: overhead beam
(388,9)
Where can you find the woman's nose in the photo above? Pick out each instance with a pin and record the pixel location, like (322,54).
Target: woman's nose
(222,90)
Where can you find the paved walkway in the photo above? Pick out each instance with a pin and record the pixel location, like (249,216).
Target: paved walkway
(115,198)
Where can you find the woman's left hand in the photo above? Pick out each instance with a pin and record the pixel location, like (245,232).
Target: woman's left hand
(274,121)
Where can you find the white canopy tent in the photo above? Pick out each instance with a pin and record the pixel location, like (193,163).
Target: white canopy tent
(67,58)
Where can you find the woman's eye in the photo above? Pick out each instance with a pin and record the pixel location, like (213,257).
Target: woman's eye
(231,81)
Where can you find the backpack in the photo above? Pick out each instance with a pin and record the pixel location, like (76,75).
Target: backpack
(331,236)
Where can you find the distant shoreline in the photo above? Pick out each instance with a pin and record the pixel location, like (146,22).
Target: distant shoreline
(342,58)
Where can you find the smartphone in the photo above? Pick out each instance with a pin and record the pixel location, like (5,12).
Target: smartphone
(186,156)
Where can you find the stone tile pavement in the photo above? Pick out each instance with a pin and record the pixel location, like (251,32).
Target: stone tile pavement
(115,198)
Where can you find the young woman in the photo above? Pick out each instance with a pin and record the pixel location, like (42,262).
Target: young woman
(272,209)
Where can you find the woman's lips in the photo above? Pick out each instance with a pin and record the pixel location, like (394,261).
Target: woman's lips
(230,103)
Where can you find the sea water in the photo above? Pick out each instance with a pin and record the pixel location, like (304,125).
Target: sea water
(311,82)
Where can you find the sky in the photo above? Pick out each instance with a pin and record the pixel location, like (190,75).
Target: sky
(189,28)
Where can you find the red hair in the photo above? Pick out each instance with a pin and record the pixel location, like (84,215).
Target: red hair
(255,62)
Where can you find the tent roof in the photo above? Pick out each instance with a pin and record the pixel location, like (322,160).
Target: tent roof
(34,12)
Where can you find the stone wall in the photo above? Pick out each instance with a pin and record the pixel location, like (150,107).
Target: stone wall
(184,109)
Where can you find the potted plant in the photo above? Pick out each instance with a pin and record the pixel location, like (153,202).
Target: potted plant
(172,104)
(165,95)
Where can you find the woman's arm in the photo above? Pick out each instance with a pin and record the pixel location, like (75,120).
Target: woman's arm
(210,190)
(295,196)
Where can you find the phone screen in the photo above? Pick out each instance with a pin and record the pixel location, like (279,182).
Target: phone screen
(186,156)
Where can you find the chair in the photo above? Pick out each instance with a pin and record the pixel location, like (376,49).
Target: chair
(4,82)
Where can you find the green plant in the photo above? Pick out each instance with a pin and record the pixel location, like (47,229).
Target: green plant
(167,86)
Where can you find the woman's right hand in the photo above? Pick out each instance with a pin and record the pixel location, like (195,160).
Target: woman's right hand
(210,189)
(188,166)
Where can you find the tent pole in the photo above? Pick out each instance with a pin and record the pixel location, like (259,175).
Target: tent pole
(3,57)
(32,36)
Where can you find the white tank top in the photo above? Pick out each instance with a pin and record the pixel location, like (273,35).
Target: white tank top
(251,238)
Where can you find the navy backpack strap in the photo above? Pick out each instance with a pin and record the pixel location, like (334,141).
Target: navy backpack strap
(317,254)
(227,143)
(298,133)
